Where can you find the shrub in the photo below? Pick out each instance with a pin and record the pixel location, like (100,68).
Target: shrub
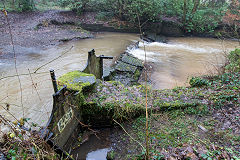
(26,5)
(198,82)
(234,61)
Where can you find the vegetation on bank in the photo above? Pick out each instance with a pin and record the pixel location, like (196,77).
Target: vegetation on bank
(23,143)
(192,16)
(196,122)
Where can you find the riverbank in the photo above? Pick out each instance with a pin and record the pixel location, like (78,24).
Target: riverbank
(196,122)
(34,31)
(191,122)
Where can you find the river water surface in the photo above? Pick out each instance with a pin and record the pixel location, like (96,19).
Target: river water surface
(174,63)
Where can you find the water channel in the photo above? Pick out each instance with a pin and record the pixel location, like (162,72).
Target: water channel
(174,62)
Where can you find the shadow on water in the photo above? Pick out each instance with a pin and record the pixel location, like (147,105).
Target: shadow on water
(95,147)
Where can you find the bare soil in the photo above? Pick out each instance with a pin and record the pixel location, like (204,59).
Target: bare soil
(36,30)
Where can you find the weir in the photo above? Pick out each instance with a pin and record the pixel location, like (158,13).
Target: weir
(65,119)
(71,111)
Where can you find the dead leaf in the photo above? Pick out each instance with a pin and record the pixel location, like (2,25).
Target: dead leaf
(192,156)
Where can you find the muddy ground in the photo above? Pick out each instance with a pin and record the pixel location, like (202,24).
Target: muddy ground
(35,31)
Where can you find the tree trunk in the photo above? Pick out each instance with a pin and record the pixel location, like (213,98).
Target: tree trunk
(195,7)
(13,4)
(120,9)
(184,12)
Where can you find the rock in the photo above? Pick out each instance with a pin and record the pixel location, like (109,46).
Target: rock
(192,156)
(153,37)
(154,27)
(85,79)
(107,73)
(171,158)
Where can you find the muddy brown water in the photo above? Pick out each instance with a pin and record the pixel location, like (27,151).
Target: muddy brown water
(182,58)
(174,63)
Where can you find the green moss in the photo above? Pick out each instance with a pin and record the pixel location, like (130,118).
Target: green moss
(136,75)
(234,61)
(76,80)
(93,113)
(115,83)
(163,105)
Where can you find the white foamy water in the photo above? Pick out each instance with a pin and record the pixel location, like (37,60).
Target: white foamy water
(139,53)
(180,47)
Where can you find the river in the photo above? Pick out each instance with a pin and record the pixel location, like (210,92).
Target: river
(174,63)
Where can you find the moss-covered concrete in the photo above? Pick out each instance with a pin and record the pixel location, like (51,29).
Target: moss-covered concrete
(76,80)
(132,60)
(125,67)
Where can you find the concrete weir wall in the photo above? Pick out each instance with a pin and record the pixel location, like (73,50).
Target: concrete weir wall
(64,117)
(95,64)
(65,120)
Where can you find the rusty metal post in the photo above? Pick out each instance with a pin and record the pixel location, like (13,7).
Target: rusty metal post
(54,82)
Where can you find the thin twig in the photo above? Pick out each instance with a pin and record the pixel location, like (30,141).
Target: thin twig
(143,148)
(24,74)
(145,61)
(25,107)
(9,113)
(144,23)
(53,60)
(34,85)
(15,59)
(7,122)
(3,98)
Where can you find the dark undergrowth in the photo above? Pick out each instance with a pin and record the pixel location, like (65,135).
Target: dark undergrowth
(196,122)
